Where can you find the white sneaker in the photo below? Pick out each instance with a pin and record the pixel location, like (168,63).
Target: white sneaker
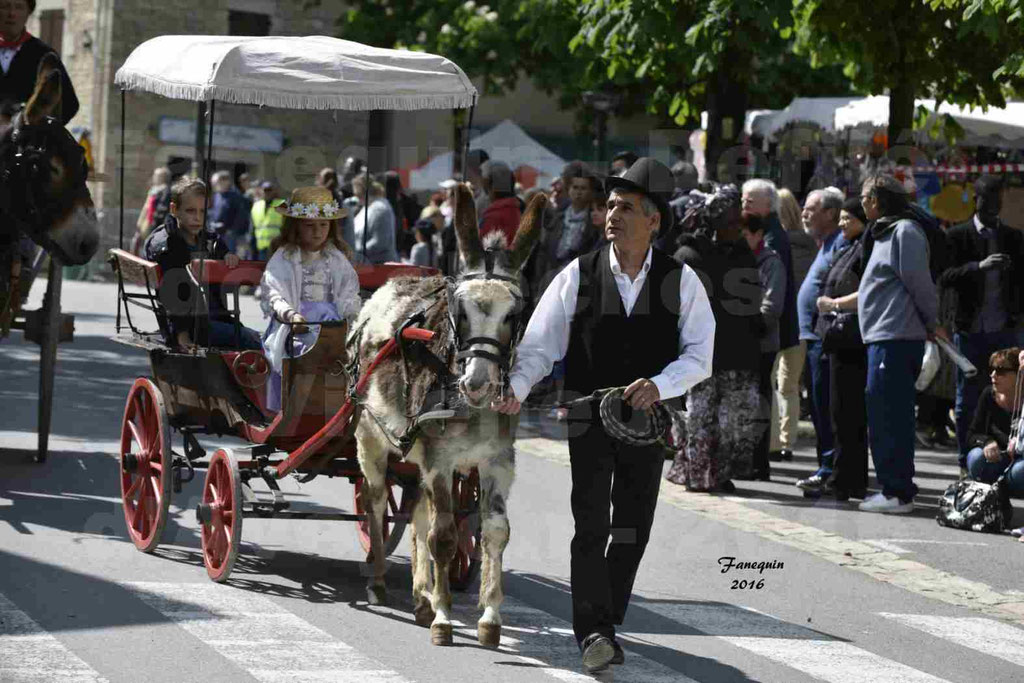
(879,503)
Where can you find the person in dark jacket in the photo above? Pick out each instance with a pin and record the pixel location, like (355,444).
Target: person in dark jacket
(568,232)
(20,54)
(986,269)
(173,246)
(990,427)
(847,362)
(229,214)
(721,436)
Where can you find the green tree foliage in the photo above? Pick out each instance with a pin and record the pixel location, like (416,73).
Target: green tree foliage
(720,55)
(952,50)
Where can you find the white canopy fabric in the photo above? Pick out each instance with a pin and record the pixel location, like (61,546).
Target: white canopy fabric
(505,142)
(996,127)
(816,110)
(313,72)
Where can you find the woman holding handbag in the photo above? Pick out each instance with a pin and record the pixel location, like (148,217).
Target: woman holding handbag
(837,326)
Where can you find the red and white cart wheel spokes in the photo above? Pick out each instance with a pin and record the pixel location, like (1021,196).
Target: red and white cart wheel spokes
(466,501)
(145,464)
(397,507)
(220,515)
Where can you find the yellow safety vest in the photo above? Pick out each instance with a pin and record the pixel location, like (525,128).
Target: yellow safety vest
(266,222)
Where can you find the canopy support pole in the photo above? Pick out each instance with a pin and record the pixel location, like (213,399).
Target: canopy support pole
(207,165)
(120,230)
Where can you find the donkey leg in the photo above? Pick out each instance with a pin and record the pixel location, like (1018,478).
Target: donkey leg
(375,501)
(421,579)
(495,482)
(442,540)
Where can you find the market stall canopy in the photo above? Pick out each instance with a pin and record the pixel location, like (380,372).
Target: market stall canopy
(313,72)
(995,127)
(817,110)
(530,160)
(756,121)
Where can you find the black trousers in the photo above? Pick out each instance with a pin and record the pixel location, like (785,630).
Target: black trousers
(848,375)
(761,465)
(608,473)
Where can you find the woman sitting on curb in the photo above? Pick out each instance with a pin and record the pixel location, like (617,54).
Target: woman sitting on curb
(990,453)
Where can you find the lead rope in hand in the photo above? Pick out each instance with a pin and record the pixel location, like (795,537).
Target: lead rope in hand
(655,429)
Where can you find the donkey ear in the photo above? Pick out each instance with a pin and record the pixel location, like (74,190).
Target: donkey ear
(528,232)
(466,229)
(45,100)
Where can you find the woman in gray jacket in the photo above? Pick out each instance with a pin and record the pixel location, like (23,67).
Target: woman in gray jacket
(772,278)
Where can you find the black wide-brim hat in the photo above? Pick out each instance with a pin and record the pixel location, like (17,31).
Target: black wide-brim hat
(650,178)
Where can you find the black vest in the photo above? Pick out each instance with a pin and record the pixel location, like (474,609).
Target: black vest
(608,348)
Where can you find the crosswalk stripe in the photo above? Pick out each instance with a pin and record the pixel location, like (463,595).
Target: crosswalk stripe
(246,628)
(547,642)
(984,635)
(29,653)
(814,653)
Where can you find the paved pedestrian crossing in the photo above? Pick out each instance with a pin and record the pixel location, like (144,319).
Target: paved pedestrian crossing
(28,654)
(244,626)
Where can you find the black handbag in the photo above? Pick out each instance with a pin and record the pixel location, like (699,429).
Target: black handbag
(975,506)
(839,332)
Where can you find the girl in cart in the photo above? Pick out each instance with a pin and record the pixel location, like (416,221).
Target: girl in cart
(308,279)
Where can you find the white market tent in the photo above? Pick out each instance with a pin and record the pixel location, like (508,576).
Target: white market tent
(817,110)
(994,128)
(505,142)
(312,72)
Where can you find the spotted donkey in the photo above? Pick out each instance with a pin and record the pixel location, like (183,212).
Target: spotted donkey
(476,319)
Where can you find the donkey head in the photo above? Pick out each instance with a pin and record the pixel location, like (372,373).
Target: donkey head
(486,306)
(43,174)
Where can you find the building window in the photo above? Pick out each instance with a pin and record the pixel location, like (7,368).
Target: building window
(51,28)
(248,23)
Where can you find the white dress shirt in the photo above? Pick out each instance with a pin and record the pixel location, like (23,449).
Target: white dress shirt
(547,335)
(7,56)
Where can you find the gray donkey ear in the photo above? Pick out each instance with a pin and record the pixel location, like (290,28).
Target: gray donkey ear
(466,228)
(528,232)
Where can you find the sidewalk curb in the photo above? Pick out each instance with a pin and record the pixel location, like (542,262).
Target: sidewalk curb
(879,564)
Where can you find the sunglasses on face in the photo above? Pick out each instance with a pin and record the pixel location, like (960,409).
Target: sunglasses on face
(1002,370)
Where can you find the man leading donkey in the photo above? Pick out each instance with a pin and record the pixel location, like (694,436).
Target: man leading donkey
(625,315)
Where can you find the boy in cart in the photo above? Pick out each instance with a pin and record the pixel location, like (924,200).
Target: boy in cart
(173,246)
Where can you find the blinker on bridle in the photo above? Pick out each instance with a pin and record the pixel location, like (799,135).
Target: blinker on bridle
(25,169)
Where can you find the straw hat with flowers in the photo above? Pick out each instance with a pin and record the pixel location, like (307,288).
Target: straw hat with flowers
(316,203)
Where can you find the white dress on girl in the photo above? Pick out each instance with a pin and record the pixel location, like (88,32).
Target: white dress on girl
(320,286)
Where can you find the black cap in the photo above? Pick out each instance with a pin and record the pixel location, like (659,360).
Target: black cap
(650,178)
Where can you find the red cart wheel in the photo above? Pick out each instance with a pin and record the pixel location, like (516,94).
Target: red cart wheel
(393,531)
(220,515)
(251,369)
(145,464)
(466,501)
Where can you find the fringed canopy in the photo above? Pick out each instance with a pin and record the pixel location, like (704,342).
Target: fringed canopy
(314,72)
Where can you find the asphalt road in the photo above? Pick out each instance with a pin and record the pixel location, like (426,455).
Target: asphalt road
(854,597)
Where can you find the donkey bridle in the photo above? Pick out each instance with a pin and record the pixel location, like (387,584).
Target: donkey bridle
(24,170)
(464,350)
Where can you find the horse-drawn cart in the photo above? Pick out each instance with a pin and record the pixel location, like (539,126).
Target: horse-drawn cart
(212,391)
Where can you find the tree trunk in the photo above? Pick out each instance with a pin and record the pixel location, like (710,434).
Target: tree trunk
(901,114)
(727,109)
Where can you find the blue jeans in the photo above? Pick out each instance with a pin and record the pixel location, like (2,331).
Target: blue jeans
(987,472)
(893,367)
(222,335)
(821,414)
(977,348)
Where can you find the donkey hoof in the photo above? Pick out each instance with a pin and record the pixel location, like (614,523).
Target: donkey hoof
(376,595)
(441,634)
(424,614)
(489,635)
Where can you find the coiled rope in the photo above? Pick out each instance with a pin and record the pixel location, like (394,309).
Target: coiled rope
(629,425)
